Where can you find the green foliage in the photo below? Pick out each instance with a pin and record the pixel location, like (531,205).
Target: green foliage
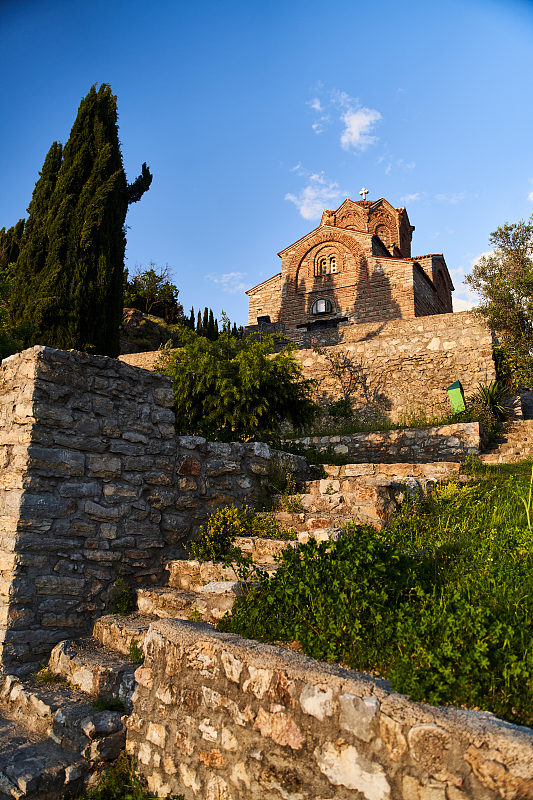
(493,397)
(120,782)
(101,704)
(440,601)
(214,540)
(136,653)
(151,291)
(504,281)
(234,388)
(340,409)
(46,676)
(123,602)
(68,279)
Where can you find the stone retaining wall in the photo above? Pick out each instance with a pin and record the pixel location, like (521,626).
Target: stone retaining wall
(439,443)
(408,362)
(95,482)
(217,717)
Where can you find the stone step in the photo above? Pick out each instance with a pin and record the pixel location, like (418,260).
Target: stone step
(309,523)
(35,767)
(35,701)
(193,575)
(209,604)
(119,633)
(435,471)
(380,497)
(56,710)
(94,669)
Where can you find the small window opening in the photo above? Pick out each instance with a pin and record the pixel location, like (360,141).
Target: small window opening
(333,264)
(321,307)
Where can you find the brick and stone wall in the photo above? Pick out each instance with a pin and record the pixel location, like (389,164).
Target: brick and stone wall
(422,445)
(218,717)
(95,481)
(408,363)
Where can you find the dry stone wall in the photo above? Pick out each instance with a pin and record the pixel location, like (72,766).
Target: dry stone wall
(408,363)
(222,718)
(439,443)
(95,482)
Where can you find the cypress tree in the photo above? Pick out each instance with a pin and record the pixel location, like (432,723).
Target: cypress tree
(69,273)
(10,244)
(191,319)
(199,323)
(211,335)
(205,321)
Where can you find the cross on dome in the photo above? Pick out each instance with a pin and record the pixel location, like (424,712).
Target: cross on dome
(363,193)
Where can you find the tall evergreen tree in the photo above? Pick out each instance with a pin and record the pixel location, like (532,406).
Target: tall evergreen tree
(191,319)
(69,274)
(211,333)
(205,320)
(199,327)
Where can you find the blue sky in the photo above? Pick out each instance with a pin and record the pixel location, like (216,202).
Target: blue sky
(254,116)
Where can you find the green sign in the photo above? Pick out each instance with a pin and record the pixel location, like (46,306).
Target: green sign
(457,397)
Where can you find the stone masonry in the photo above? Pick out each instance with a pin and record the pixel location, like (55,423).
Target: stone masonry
(408,362)
(218,717)
(95,483)
(419,445)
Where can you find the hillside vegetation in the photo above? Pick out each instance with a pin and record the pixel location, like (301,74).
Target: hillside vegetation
(440,601)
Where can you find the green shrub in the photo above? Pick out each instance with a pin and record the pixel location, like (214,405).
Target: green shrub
(340,409)
(215,539)
(123,602)
(440,601)
(136,653)
(236,389)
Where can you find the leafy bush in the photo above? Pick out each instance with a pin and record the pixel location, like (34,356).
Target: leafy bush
(235,388)
(494,397)
(214,540)
(340,409)
(440,601)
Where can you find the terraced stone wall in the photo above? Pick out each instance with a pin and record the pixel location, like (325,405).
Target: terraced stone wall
(408,363)
(438,443)
(95,483)
(217,717)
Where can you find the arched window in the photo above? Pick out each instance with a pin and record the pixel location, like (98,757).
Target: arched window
(323,266)
(333,264)
(321,307)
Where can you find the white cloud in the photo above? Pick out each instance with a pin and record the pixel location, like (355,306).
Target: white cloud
(530,196)
(313,198)
(358,124)
(450,197)
(230,282)
(410,198)
(357,120)
(459,304)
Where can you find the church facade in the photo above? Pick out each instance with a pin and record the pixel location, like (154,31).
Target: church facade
(355,267)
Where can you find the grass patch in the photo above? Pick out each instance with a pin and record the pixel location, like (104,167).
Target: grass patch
(440,601)
(108,705)
(334,426)
(45,675)
(120,782)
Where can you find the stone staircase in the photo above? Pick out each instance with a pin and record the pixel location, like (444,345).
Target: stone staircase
(514,443)
(59,727)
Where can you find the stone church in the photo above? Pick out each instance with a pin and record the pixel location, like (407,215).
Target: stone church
(355,267)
